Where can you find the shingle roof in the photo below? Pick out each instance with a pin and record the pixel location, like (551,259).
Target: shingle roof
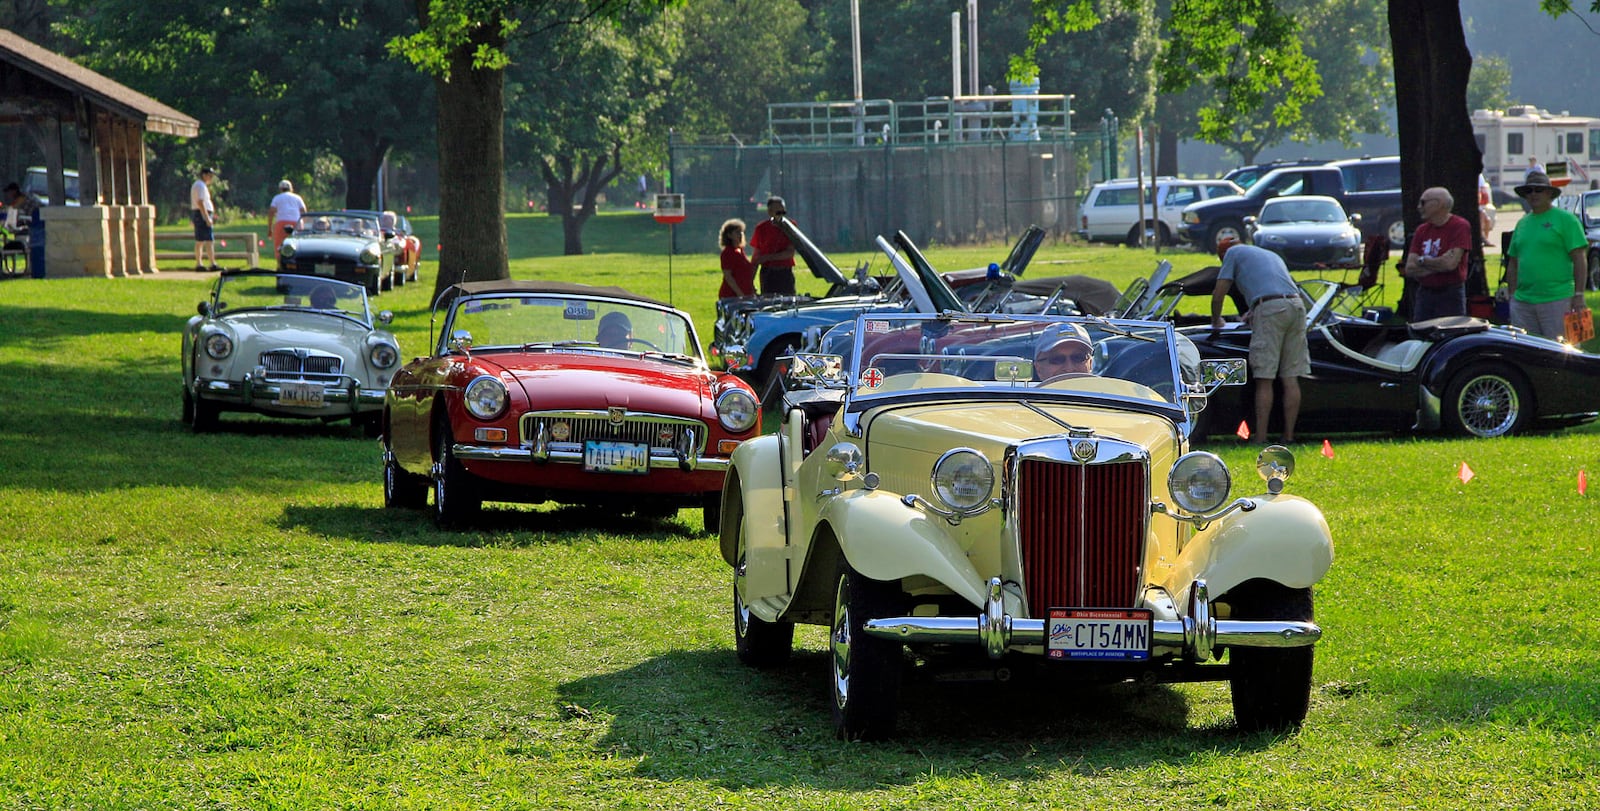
(55,69)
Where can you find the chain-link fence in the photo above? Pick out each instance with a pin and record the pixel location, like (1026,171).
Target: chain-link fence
(844,195)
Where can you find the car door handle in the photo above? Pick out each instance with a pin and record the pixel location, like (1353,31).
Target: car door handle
(1389,385)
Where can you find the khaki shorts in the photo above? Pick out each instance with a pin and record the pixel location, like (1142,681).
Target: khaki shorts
(1278,340)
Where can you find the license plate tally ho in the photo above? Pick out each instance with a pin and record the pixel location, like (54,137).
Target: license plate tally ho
(1099,633)
(616,457)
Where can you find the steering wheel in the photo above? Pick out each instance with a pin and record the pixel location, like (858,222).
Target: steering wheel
(1064,376)
(631,341)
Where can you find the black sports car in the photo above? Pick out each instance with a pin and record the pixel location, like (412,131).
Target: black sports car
(1372,373)
(347,245)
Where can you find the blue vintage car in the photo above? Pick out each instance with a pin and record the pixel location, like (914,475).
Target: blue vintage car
(751,334)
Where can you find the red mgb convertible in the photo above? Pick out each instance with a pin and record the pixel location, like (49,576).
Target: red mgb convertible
(550,391)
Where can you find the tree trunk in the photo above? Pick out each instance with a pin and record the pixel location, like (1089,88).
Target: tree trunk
(565,185)
(472,227)
(1437,148)
(361,165)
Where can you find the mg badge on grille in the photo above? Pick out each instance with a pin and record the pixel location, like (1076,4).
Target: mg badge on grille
(616,413)
(1083,450)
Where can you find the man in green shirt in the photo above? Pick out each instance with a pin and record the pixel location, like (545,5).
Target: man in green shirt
(1546,264)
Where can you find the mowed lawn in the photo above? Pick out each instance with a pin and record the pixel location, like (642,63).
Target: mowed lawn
(233,620)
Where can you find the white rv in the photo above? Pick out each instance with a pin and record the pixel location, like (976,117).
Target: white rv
(1508,138)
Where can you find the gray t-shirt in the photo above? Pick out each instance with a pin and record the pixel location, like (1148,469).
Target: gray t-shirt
(1257,272)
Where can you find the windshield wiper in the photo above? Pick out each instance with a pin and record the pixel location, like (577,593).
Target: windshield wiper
(556,344)
(1105,324)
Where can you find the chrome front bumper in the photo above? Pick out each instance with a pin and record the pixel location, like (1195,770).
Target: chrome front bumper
(1195,636)
(659,459)
(249,391)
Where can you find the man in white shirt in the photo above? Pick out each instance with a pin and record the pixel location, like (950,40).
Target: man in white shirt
(284,213)
(203,214)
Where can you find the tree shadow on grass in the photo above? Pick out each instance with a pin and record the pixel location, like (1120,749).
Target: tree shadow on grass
(497,526)
(700,715)
(1560,701)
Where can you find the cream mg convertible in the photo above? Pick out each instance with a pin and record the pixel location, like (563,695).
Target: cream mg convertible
(941,510)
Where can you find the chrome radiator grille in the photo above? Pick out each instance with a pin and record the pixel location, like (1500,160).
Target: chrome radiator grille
(1082,531)
(656,433)
(292,365)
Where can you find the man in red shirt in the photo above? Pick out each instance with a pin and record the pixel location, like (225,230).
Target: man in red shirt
(774,254)
(1437,260)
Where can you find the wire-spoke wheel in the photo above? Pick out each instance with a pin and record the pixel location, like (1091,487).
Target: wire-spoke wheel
(1487,401)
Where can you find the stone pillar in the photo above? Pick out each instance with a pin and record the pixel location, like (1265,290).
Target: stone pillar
(144,224)
(77,241)
(116,252)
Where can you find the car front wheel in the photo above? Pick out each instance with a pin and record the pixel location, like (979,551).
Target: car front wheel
(454,505)
(865,670)
(757,643)
(1486,401)
(1271,687)
(204,416)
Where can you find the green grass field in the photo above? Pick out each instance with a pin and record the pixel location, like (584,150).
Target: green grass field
(233,621)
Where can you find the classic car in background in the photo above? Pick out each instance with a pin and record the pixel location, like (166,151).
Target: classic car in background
(1310,232)
(942,512)
(347,245)
(408,259)
(749,340)
(550,391)
(1371,373)
(286,345)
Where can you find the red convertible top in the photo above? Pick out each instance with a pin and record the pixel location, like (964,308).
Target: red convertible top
(538,286)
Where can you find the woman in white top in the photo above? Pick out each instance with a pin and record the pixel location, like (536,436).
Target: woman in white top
(284,212)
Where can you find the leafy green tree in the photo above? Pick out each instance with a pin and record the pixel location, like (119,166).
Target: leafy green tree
(732,58)
(316,79)
(463,46)
(575,133)
(1489,87)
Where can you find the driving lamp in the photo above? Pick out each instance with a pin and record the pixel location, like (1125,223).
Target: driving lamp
(1199,482)
(369,257)
(286,250)
(485,397)
(963,479)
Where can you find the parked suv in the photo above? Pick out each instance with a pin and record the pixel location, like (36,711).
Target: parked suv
(1246,176)
(1110,212)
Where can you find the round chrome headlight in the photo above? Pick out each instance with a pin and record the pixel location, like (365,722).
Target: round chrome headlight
(286,250)
(218,345)
(486,397)
(963,479)
(383,356)
(369,256)
(737,410)
(1199,482)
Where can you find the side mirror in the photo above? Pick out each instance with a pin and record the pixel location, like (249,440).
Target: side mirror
(1223,372)
(1250,219)
(204,308)
(460,340)
(388,234)
(385,317)
(817,369)
(1355,219)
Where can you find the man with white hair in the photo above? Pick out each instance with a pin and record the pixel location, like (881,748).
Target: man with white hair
(1437,260)
(284,212)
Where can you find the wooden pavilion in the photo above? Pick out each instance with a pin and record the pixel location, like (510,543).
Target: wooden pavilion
(112,232)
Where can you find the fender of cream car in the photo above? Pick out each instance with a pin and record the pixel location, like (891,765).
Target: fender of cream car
(944,502)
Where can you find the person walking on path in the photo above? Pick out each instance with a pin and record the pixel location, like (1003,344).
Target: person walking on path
(1546,262)
(1277,319)
(738,272)
(284,213)
(774,254)
(1437,261)
(204,215)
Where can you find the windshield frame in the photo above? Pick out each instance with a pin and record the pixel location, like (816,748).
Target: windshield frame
(442,345)
(859,397)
